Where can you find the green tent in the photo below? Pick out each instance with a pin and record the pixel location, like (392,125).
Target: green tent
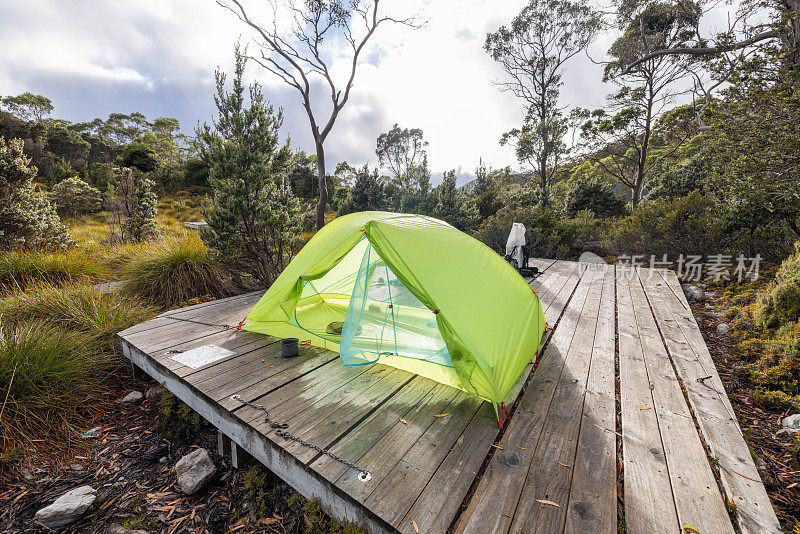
(411,292)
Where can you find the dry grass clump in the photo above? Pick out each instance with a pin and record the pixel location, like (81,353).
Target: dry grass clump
(20,270)
(177,270)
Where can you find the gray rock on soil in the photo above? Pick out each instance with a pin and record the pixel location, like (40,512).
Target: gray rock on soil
(693,292)
(722,328)
(133,396)
(194,471)
(792,423)
(119,529)
(152,392)
(67,508)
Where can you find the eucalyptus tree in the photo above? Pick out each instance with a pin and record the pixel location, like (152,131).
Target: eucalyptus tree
(402,151)
(619,138)
(292,47)
(533,52)
(28,106)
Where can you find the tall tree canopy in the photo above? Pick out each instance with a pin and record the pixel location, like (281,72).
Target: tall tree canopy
(402,151)
(533,51)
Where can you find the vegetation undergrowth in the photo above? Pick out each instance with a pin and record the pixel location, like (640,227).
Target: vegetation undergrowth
(270,498)
(177,270)
(46,376)
(763,319)
(21,269)
(77,309)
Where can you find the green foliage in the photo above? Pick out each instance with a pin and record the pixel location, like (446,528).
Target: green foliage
(28,106)
(680,180)
(686,225)
(75,197)
(20,270)
(596,195)
(141,223)
(367,193)
(779,303)
(140,156)
(254,219)
(176,271)
(27,219)
(548,235)
(176,412)
(402,151)
(54,373)
(452,205)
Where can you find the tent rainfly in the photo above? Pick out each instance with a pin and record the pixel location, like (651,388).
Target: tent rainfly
(411,292)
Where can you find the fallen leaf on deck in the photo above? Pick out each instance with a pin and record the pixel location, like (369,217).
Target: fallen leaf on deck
(441,414)
(550,503)
(416,528)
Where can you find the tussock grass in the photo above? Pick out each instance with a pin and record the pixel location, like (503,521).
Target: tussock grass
(20,270)
(57,349)
(77,309)
(177,270)
(46,376)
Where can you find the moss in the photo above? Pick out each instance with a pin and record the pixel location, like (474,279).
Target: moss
(176,411)
(779,303)
(773,400)
(138,522)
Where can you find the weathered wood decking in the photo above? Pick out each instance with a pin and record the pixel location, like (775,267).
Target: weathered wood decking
(625,386)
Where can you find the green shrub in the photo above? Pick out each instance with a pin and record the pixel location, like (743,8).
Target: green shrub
(82,310)
(548,235)
(686,225)
(779,303)
(595,195)
(75,197)
(176,271)
(19,270)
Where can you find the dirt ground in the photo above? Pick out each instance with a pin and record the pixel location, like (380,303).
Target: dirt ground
(131,465)
(771,445)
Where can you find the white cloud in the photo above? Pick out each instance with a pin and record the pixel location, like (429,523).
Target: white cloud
(158,56)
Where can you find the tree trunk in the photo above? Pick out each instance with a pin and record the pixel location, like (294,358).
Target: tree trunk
(323,188)
(636,194)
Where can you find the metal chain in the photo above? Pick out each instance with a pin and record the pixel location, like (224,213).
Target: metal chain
(280,430)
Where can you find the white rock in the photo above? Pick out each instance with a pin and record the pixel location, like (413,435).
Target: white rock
(693,292)
(194,471)
(67,508)
(792,423)
(152,392)
(119,529)
(133,396)
(722,328)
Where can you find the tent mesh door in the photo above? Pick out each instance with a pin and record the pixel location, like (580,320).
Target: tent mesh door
(384,317)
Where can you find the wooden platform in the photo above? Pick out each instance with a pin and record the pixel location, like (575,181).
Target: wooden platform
(624,419)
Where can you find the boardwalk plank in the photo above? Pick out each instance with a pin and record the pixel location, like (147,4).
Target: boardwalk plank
(697,498)
(711,406)
(593,494)
(649,504)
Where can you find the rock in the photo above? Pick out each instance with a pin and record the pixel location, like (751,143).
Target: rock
(716,314)
(67,508)
(711,294)
(119,529)
(693,292)
(792,423)
(76,467)
(722,328)
(133,396)
(152,392)
(26,474)
(194,471)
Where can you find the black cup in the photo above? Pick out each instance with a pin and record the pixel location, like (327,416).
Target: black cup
(289,347)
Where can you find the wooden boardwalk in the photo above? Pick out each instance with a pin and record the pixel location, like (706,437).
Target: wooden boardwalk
(623,419)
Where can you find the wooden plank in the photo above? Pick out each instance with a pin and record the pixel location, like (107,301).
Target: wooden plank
(505,474)
(394,444)
(550,472)
(593,492)
(698,501)
(711,406)
(366,435)
(440,500)
(332,501)
(649,504)
(399,490)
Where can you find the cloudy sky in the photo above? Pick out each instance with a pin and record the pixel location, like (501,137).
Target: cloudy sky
(159,56)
